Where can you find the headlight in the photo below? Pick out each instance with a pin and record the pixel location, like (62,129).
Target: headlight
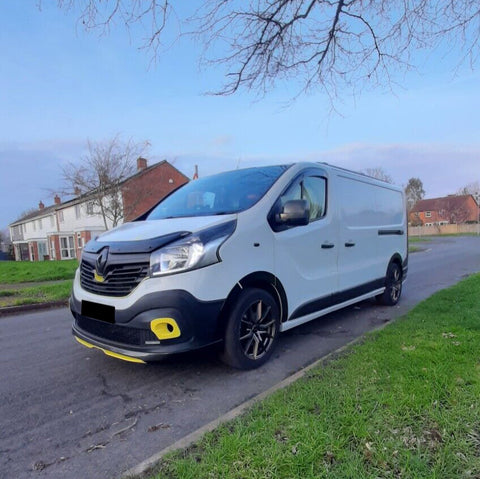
(193,251)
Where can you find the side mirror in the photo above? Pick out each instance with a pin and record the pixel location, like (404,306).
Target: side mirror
(294,213)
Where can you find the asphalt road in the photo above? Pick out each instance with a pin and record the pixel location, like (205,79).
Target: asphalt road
(66,411)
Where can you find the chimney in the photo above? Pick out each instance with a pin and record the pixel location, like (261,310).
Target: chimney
(195,175)
(57,200)
(77,191)
(41,205)
(141,163)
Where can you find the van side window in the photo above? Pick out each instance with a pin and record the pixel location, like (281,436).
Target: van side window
(312,189)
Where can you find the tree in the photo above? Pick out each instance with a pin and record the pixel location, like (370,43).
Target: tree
(470,189)
(414,192)
(326,44)
(101,173)
(379,173)
(454,211)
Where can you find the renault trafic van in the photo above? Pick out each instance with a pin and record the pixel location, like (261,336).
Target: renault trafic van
(238,257)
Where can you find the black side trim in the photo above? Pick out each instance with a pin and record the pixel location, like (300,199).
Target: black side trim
(337,298)
(141,246)
(390,232)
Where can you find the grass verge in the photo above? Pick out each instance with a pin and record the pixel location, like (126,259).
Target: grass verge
(413,241)
(404,403)
(25,271)
(36,294)
(418,239)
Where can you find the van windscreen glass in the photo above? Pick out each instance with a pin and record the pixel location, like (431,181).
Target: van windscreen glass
(225,193)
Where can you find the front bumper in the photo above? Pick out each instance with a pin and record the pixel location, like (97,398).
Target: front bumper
(127,333)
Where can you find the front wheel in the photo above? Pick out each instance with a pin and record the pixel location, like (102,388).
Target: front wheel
(393,286)
(252,329)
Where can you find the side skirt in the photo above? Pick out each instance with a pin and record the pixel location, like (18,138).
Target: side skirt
(308,317)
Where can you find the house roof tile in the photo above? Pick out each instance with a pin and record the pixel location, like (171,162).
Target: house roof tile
(433,204)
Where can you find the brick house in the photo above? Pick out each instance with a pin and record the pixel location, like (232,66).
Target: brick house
(450,209)
(154,182)
(61,230)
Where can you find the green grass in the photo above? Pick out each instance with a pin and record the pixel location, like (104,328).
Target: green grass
(412,242)
(25,271)
(36,294)
(403,403)
(418,239)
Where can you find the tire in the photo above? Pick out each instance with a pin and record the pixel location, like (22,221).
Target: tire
(252,330)
(393,286)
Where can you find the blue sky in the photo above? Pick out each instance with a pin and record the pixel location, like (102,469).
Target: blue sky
(60,87)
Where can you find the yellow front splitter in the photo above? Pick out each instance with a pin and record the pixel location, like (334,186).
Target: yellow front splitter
(110,353)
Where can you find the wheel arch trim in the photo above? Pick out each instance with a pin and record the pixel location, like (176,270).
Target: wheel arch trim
(263,280)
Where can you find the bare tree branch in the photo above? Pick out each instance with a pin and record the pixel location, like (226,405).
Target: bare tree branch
(101,173)
(379,173)
(331,45)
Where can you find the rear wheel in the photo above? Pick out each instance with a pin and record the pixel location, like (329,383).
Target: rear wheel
(252,330)
(393,286)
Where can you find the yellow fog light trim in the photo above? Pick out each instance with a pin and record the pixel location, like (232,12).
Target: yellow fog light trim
(165,328)
(110,353)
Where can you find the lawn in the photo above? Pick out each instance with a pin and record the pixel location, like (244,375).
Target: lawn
(402,403)
(418,239)
(37,294)
(413,241)
(14,275)
(26,271)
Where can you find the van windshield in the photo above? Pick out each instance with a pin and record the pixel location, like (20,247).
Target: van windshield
(222,194)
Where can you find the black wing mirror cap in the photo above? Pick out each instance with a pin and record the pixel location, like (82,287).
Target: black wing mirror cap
(294,213)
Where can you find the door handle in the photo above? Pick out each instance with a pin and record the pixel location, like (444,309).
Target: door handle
(327,245)
(349,244)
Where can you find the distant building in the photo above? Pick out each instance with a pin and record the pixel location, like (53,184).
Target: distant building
(61,230)
(4,248)
(446,210)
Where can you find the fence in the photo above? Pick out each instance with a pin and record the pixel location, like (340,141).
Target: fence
(443,229)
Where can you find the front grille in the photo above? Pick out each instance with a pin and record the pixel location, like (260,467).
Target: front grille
(113,332)
(120,279)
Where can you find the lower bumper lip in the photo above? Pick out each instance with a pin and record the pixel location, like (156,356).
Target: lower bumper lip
(110,353)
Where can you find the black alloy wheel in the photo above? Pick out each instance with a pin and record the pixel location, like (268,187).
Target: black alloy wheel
(393,286)
(252,330)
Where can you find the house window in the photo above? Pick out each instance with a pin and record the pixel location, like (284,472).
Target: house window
(52,221)
(39,224)
(428,214)
(34,226)
(67,247)
(52,249)
(90,206)
(60,216)
(77,212)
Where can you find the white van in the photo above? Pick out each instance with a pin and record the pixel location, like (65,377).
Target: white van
(239,257)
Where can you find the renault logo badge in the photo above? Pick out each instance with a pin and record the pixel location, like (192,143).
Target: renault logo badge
(100,265)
